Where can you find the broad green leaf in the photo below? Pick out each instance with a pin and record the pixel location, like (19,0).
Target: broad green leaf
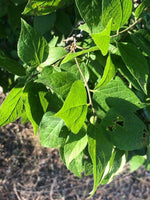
(71,67)
(85,28)
(95,70)
(86,43)
(59,82)
(11,65)
(42,7)
(14,15)
(70,56)
(53,42)
(145,33)
(90,11)
(32,47)
(63,22)
(100,150)
(44,23)
(109,73)
(24,118)
(117,10)
(88,165)
(136,162)
(123,128)
(102,39)
(115,165)
(135,62)
(12,107)
(55,53)
(140,41)
(141,8)
(126,6)
(75,145)
(42,96)
(55,103)
(117,90)
(111,9)
(34,105)
(74,110)
(77,166)
(50,128)
(120,65)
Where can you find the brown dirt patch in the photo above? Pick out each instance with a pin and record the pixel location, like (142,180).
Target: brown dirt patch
(31,172)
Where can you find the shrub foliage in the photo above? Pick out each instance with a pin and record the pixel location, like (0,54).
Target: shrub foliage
(83,81)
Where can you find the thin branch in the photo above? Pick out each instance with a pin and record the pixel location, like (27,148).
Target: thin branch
(84,79)
(125,30)
(16,193)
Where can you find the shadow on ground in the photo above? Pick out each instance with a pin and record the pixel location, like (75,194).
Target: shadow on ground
(31,172)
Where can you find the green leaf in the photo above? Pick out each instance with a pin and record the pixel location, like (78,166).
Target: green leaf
(53,42)
(90,11)
(141,41)
(11,65)
(75,145)
(24,118)
(42,7)
(123,128)
(119,64)
(63,22)
(74,110)
(135,62)
(71,67)
(50,128)
(32,47)
(12,107)
(85,28)
(115,165)
(55,53)
(141,8)
(70,56)
(55,103)
(117,10)
(88,165)
(14,15)
(59,82)
(118,90)
(102,39)
(95,71)
(100,150)
(126,6)
(44,23)
(109,73)
(42,96)
(76,166)
(136,162)
(34,105)
(111,9)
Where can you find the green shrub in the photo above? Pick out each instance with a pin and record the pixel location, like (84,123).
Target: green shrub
(83,82)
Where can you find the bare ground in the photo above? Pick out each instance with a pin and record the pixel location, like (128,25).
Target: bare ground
(31,172)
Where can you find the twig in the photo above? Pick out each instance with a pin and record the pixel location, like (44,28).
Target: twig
(84,79)
(143,181)
(52,188)
(16,193)
(125,30)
